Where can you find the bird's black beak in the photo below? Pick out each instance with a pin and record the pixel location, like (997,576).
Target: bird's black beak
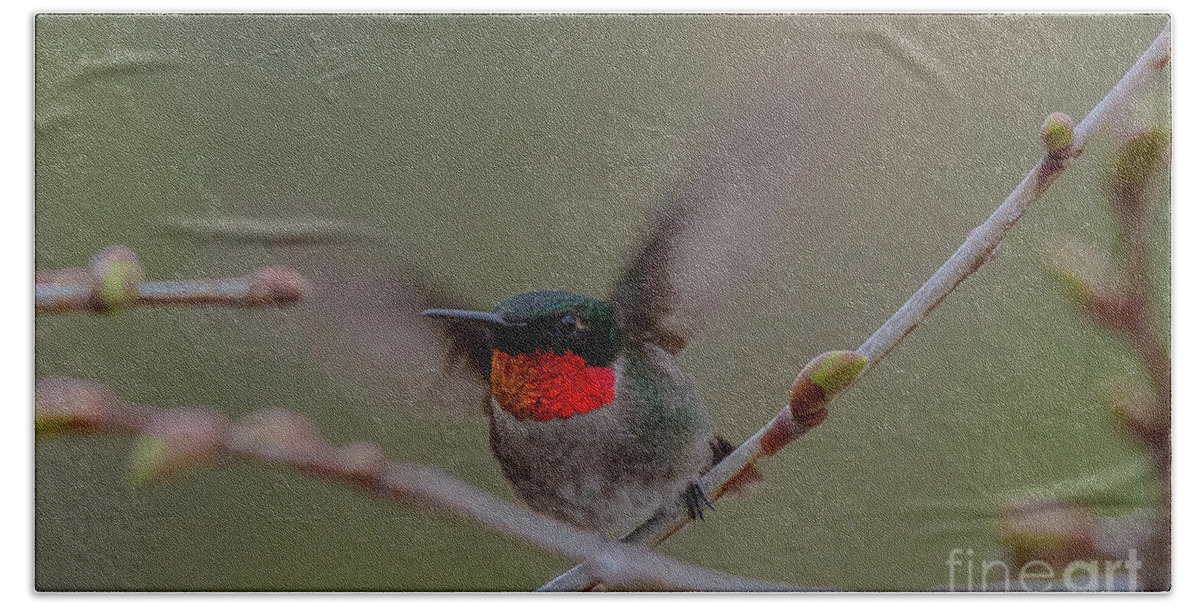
(476,316)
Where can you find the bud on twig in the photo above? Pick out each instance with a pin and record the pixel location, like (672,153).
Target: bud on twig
(70,405)
(1138,162)
(1137,414)
(171,439)
(116,281)
(1047,529)
(783,428)
(823,378)
(1140,155)
(1058,133)
(275,286)
(177,440)
(117,275)
(1080,268)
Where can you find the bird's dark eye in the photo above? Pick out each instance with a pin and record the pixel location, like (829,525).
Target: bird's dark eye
(569,326)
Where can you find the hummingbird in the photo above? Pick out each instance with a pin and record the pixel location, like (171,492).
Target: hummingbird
(593,419)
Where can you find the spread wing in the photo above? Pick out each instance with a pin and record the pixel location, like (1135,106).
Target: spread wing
(366,333)
(360,328)
(717,229)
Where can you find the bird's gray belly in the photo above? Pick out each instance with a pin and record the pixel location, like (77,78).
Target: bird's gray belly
(593,470)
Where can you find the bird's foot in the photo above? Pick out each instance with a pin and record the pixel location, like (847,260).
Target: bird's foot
(696,501)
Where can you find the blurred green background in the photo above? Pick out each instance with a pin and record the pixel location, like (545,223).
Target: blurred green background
(505,153)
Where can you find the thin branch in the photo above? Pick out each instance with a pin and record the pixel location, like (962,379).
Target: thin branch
(171,440)
(973,253)
(116,281)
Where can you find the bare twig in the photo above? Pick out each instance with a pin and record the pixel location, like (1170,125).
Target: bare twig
(972,254)
(979,245)
(116,281)
(174,439)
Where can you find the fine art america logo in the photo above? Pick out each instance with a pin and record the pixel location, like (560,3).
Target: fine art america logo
(969,573)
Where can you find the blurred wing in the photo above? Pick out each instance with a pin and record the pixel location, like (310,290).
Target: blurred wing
(366,330)
(719,226)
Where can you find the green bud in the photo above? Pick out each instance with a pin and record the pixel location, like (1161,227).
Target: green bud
(118,287)
(70,405)
(1078,267)
(1048,529)
(1058,133)
(118,274)
(835,370)
(1140,157)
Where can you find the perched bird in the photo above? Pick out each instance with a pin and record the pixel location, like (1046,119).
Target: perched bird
(593,420)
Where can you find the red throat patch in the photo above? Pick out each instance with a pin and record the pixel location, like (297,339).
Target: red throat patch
(546,385)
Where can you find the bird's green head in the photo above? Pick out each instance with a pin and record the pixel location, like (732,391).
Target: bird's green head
(559,321)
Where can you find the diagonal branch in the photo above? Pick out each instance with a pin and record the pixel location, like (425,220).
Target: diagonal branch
(171,440)
(1063,143)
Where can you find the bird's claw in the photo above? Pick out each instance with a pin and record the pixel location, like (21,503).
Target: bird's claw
(696,501)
